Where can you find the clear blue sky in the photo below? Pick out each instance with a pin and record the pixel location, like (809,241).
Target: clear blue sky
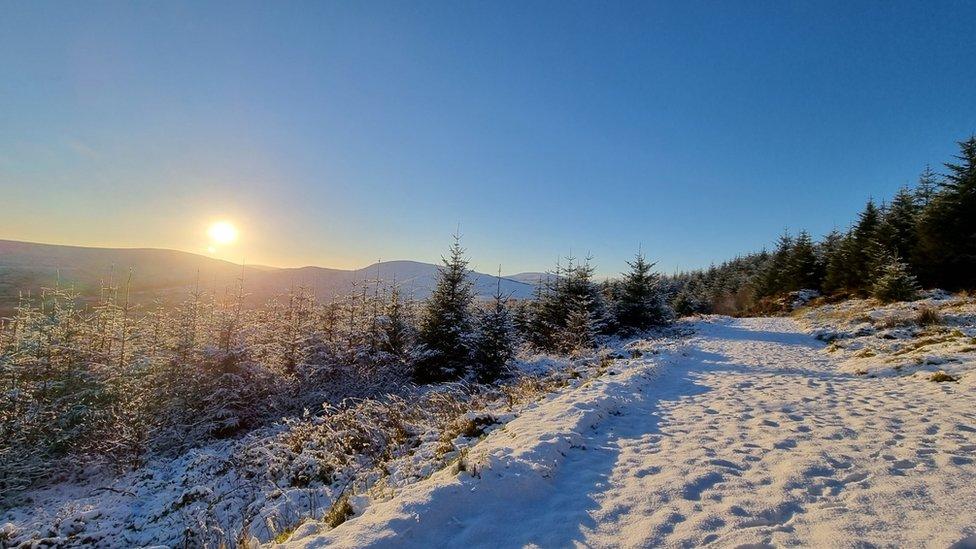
(340,133)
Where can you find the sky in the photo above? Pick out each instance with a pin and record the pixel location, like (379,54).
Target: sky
(340,133)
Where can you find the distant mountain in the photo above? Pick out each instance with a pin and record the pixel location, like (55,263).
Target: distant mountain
(169,274)
(529,278)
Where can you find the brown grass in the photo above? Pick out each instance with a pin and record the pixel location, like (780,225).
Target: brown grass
(941,376)
(339,512)
(928,316)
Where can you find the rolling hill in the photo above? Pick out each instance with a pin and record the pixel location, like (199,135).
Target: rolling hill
(169,274)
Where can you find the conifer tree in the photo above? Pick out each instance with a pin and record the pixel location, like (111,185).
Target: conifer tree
(640,303)
(772,279)
(900,224)
(866,248)
(494,340)
(804,269)
(521,318)
(397,333)
(546,311)
(894,282)
(446,325)
(688,301)
(581,326)
(947,230)
(928,186)
(583,306)
(840,269)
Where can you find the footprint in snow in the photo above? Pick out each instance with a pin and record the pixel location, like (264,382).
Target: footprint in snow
(785,444)
(693,490)
(904,464)
(776,516)
(653,470)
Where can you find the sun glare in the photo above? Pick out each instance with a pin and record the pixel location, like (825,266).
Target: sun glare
(222,232)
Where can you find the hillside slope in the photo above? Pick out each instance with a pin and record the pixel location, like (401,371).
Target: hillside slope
(26,266)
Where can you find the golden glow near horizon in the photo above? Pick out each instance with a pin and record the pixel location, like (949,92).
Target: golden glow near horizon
(221,233)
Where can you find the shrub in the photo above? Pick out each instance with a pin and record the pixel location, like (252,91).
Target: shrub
(894,282)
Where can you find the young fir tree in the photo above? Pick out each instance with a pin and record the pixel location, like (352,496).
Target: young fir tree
(804,269)
(611,292)
(866,248)
(773,278)
(446,324)
(546,311)
(840,267)
(581,326)
(396,331)
(947,229)
(827,247)
(693,295)
(928,186)
(582,303)
(640,302)
(522,319)
(494,339)
(900,224)
(894,282)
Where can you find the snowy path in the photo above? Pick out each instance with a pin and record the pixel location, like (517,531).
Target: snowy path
(746,434)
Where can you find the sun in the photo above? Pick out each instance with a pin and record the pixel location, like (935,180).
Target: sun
(222,232)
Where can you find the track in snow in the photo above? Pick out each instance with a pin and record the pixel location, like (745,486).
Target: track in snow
(747,435)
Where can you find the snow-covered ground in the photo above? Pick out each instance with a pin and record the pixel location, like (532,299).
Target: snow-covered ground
(933,335)
(257,488)
(749,433)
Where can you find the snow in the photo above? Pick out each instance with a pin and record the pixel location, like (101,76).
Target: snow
(258,487)
(887,340)
(739,432)
(747,433)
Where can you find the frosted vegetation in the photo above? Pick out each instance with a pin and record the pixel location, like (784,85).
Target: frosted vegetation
(235,422)
(215,423)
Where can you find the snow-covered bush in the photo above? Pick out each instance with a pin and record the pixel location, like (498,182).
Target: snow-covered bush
(114,384)
(894,282)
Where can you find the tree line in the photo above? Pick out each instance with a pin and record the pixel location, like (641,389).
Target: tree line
(568,314)
(924,237)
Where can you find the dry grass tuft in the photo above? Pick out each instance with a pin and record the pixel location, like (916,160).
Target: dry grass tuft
(941,376)
(866,352)
(339,512)
(928,316)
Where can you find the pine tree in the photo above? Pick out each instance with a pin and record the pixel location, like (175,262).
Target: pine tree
(546,311)
(894,282)
(841,274)
(640,303)
(900,224)
(583,307)
(773,278)
(522,319)
(446,325)
(396,332)
(494,339)
(581,326)
(947,230)
(804,268)
(866,248)
(928,186)
(687,302)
